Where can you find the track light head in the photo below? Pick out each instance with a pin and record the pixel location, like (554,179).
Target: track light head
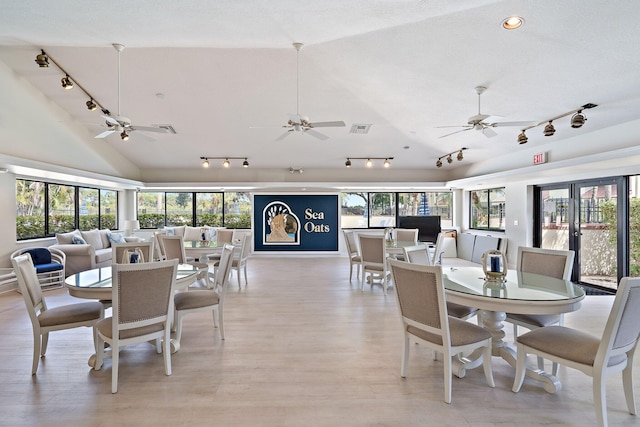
(245,164)
(460,156)
(439,163)
(449,159)
(348,163)
(124,136)
(205,162)
(67,84)
(91,106)
(226,163)
(369,163)
(387,163)
(549,129)
(578,120)
(42,60)
(522,138)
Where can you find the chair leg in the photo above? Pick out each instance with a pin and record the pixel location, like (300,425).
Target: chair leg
(166,353)
(405,356)
(36,351)
(350,270)
(487,366)
(220,313)
(362,279)
(215,316)
(45,343)
(246,281)
(115,356)
(627,384)
(521,363)
(600,399)
(178,325)
(239,281)
(447,378)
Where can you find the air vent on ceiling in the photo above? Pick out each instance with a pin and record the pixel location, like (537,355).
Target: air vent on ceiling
(167,128)
(360,128)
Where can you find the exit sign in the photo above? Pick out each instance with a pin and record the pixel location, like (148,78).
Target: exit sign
(540,158)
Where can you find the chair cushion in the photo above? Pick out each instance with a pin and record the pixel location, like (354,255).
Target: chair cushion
(539,320)
(46,268)
(195,299)
(567,343)
(460,311)
(72,313)
(104,326)
(39,256)
(461,331)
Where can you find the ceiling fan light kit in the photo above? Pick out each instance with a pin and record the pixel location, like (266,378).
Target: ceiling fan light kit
(226,161)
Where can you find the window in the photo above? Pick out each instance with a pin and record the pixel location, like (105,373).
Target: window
(231,209)
(487,209)
(43,209)
(355,209)
(382,209)
(428,203)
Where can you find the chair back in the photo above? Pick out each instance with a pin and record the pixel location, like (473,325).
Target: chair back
(142,295)
(372,249)
(246,247)
(173,248)
(421,299)
(417,254)
(132,252)
(546,262)
(622,331)
(350,241)
(29,285)
(223,270)
(406,234)
(158,249)
(224,236)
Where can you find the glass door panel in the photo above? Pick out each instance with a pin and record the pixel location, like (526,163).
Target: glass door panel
(555,219)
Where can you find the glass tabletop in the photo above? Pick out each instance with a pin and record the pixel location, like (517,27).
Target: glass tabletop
(518,285)
(101,277)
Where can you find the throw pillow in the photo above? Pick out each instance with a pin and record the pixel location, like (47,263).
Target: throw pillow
(170,231)
(116,238)
(66,238)
(77,240)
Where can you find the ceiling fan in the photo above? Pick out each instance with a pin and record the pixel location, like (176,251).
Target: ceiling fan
(484,122)
(120,123)
(298,123)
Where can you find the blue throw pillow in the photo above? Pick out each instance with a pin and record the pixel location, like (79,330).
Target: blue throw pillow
(170,231)
(77,240)
(115,238)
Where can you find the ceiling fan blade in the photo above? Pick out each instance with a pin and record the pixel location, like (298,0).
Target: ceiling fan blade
(149,129)
(478,118)
(458,131)
(317,134)
(519,124)
(327,124)
(488,132)
(105,134)
(283,136)
(458,126)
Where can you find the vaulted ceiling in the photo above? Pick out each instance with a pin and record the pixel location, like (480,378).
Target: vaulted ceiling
(224,75)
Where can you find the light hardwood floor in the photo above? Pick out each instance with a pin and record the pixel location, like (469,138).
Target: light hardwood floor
(304,347)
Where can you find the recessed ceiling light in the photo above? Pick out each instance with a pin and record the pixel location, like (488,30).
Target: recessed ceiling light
(512,23)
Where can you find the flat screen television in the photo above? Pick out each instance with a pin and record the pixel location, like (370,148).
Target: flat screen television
(428,226)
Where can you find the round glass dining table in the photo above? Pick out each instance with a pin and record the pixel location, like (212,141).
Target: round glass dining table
(520,293)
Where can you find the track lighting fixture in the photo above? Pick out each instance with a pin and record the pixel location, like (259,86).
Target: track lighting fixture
(369,161)
(124,136)
(91,106)
(449,157)
(549,129)
(67,84)
(577,120)
(226,161)
(522,138)
(298,171)
(42,60)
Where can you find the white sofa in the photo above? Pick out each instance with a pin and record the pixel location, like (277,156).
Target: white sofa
(455,249)
(89,249)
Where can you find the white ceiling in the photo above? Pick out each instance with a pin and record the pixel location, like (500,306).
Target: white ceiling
(227,72)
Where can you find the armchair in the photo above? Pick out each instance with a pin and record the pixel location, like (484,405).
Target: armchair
(49,264)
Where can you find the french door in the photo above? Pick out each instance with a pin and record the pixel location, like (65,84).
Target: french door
(589,218)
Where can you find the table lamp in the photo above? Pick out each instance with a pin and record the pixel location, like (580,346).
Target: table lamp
(130,225)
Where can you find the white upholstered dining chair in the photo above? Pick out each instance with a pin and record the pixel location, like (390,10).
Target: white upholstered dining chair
(596,357)
(142,296)
(546,262)
(352,252)
(421,300)
(44,319)
(173,248)
(144,250)
(206,299)
(222,236)
(374,260)
(406,235)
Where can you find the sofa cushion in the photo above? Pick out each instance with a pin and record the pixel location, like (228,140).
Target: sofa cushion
(195,233)
(483,244)
(465,242)
(93,238)
(116,238)
(78,240)
(175,231)
(103,255)
(104,236)
(66,238)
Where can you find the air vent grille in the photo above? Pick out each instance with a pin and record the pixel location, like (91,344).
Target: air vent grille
(360,128)
(167,128)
